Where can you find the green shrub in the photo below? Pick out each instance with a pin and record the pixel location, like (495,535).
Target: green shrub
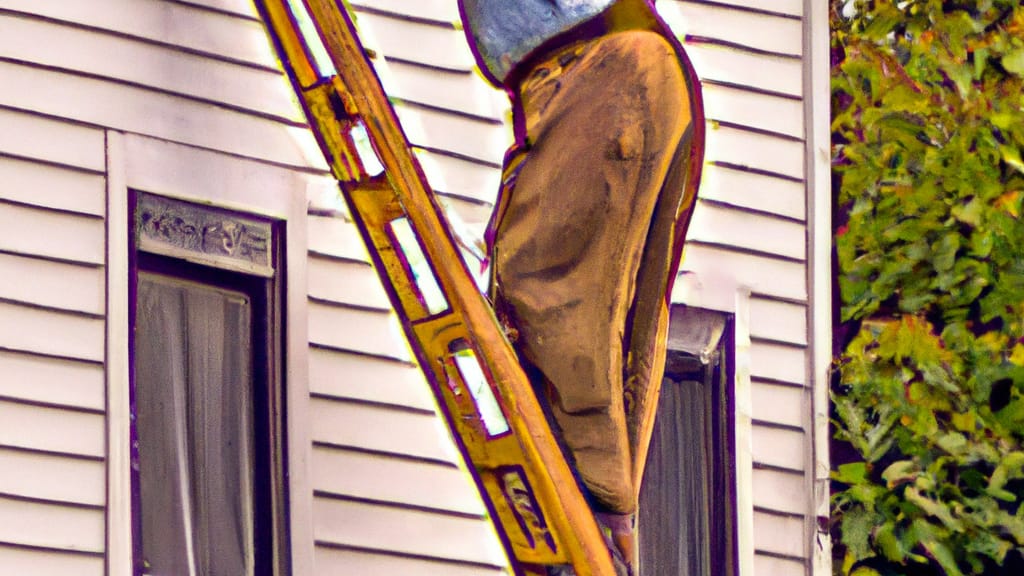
(928,128)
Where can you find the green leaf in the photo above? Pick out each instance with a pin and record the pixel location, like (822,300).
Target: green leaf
(980,60)
(934,508)
(1012,416)
(852,473)
(945,252)
(961,76)
(1009,468)
(943,555)
(1014,525)
(1011,155)
(965,421)
(891,547)
(1013,61)
(856,530)
(932,539)
(900,472)
(987,544)
(953,443)
(971,212)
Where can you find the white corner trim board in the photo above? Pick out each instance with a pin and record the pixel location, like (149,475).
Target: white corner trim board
(119,514)
(819,269)
(744,431)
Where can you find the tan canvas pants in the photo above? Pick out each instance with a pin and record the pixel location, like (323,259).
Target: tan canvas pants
(584,238)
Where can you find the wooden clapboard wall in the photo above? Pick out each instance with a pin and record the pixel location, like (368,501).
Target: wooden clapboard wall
(391,496)
(751,220)
(749,228)
(193,90)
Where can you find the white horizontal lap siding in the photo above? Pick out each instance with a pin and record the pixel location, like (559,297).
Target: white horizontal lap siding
(218,34)
(455,120)
(779,490)
(460,176)
(781,321)
(49,380)
(730,66)
(14,560)
(387,478)
(235,7)
(431,43)
(779,404)
(382,429)
(51,478)
(197,90)
(345,282)
(58,430)
(722,224)
(350,561)
(26,136)
(781,115)
(154,66)
(177,72)
(723,23)
(778,447)
(161,115)
(474,138)
(417,533)
(772,7)
(735,186)
(749,233)
(779,534)
(439,11)
(47,525)
(766,565)
(46,282)
(373,332)
(459,91)
(363,378)
(52,302)
(32,183)
(52,234)
(336,237)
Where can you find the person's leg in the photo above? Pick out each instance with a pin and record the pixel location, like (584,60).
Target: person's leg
(603,135)
(647,331)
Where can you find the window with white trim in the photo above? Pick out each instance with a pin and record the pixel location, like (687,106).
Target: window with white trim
(207,403)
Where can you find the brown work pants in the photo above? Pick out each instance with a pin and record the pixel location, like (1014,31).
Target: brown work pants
(584,242)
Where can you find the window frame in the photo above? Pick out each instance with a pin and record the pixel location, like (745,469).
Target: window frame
(285,194)
(270,390)
(713,367)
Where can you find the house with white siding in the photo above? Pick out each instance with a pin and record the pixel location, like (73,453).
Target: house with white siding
(127,124)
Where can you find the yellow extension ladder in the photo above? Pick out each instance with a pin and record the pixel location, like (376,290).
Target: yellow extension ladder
(539,512)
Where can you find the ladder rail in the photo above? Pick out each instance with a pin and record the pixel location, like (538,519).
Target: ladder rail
(530,453)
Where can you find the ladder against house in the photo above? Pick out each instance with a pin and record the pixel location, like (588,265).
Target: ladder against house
(526,483)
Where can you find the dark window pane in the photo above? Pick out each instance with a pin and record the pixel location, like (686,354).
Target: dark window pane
(193,398)
(674,510)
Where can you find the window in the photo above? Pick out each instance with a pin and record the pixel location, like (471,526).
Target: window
(687,500)
(207,396)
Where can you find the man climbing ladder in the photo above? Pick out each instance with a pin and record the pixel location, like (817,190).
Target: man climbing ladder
(586,237)
(526,482)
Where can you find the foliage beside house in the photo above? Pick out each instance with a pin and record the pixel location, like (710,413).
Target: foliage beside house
(928,127)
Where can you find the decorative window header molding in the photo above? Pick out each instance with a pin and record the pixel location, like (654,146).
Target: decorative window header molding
(204,235)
